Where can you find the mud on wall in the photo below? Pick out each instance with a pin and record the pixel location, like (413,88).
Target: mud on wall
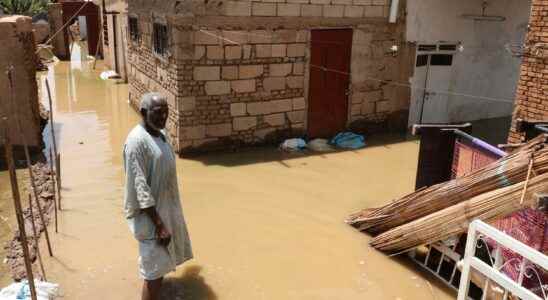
(237,71)
(18,50)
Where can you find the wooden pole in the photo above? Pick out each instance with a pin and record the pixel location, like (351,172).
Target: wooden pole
(19,213)
(53,183)
(526,180)
(17,204)
(54,142)
(36,239)
(97,47)
(58,173)
(29,166)
(37,200)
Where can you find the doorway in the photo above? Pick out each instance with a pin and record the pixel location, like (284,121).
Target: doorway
(329,81)
(82,10)
(432,82)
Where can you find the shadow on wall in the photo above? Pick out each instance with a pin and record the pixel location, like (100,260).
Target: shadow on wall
(494,131)
(189,285)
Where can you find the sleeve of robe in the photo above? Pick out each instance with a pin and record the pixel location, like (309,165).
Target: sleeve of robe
(137,186)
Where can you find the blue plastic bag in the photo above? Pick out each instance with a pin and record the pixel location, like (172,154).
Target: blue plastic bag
(348,140)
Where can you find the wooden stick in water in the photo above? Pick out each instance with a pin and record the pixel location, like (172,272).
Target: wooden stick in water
(53,183)
(58,173)
(16,196)
(36,239)
(54,141)
(19,213)
(36,197)
(33,183)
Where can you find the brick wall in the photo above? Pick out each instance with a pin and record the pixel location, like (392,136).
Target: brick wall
(531,102)
(240,73)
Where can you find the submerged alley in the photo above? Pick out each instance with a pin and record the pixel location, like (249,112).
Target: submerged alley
(260,220)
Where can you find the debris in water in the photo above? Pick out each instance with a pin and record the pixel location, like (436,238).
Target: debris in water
(21,290)
(348,140)
(292,145)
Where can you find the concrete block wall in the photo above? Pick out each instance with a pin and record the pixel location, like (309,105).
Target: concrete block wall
(244,79)
(18,51)
(267,8)
(531,102)
(242,84)
(308,8)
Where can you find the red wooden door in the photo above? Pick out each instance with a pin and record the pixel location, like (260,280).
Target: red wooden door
(329,79)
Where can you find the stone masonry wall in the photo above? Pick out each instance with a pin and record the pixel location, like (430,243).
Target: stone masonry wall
(18,51)
(239,73)
(532,93)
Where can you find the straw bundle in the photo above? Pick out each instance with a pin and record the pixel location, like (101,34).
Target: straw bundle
(504,172)
(455,219)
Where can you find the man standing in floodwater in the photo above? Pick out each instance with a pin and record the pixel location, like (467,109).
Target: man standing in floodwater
(152,204)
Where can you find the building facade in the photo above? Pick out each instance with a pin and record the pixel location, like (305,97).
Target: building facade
(465,69)
(248,72)
(115,33)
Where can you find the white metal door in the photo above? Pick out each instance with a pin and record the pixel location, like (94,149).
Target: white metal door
(419,84)
(438,82)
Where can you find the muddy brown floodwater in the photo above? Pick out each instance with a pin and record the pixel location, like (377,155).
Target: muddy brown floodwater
(264,225)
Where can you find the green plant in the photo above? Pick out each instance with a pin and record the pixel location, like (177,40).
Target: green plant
(24,7)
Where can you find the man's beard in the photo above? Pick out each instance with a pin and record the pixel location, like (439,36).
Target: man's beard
(151,124)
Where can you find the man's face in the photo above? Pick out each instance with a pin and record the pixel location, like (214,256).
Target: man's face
(157,114)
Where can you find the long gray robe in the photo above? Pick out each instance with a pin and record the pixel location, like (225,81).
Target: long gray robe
(151,180)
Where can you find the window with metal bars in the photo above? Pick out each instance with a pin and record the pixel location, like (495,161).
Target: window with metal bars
(160,38)
(134,32)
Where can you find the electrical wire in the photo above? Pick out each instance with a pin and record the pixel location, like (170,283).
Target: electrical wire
(65,25)
(407,85)
(389,82)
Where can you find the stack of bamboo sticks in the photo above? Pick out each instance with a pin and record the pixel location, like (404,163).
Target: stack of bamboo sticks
(505,172)
(455,219)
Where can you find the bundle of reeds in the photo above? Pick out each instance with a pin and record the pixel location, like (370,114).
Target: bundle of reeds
(508,170)
(455,219)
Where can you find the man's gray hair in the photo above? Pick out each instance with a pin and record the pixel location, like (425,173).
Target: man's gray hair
(149,98)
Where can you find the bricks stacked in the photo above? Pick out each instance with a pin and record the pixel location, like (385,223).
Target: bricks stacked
(532,93)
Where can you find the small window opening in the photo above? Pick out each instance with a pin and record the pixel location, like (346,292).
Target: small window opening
(160,38)
(134,33)
(441,60)
(448,47)
(422,60)
(427,47)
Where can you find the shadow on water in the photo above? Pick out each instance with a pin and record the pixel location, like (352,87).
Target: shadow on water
(264,154)
(189,285)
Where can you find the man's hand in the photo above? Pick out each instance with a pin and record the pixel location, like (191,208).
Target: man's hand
(163,235)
